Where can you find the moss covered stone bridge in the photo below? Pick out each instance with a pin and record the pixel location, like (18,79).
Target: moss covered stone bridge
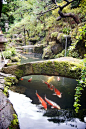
(64,66)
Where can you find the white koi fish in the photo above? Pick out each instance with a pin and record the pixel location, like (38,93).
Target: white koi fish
(53,104)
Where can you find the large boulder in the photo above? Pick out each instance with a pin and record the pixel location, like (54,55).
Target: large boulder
(57,44)
(6,112)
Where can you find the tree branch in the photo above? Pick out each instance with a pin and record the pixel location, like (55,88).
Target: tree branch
(46,11)
(62,15)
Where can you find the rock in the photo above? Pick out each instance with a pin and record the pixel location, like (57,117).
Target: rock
(57,48)
(6,112)
(38,48)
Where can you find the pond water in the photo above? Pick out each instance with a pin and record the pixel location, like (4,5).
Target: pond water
(32,115)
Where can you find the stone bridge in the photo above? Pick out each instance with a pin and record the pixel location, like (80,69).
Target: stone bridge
(64,66)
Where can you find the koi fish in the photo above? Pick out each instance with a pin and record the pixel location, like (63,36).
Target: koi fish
(30,79)
(52,87)
(57,92)
(50,79)
(21,78)
(58,78)
(42,101)
(47,85)
(53,104)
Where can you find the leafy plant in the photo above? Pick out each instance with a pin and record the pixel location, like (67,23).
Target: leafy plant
(66,30)
(8,53)
(80,86)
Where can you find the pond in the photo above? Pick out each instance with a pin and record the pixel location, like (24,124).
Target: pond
(31,113)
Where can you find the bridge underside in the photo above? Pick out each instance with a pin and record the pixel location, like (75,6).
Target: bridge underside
(65,66)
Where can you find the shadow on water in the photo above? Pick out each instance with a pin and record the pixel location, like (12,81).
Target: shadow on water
(32,115)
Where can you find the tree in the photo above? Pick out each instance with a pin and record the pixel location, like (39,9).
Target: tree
(0,7)
(61,14)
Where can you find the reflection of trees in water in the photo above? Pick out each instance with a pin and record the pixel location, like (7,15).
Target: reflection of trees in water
(59,114)
(63,116)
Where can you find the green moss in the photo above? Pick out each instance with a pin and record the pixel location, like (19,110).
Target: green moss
(67,69)
(19,73)
(15,59)
(10,80)
(6,91)
(60,36)
(54,34)
(10,64)
(14,122)
(8,83)
(44,67)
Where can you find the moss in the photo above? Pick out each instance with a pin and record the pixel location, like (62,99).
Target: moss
(60,35)
(14,123)
(19,73)
(8,83)
(15,59)
(67,69)
(6,91)
(54,34)
(44,67)
(10,64)
(10,80)
(36,38)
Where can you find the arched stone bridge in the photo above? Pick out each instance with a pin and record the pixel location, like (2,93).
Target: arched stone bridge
(64,66)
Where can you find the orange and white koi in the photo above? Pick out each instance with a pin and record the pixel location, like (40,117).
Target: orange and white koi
(53,104)
(42,101)
(30,79)
(58,78)
(21,78)
(50,79)
(57,92)
(49,86)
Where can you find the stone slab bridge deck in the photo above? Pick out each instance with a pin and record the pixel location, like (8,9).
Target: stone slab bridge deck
(64,66)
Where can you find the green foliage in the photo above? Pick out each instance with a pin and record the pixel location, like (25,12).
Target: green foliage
(5,90)
(80,86)
(3,18)
(54,34)
(82,33)
(14,122)
(10,52)
(66,30)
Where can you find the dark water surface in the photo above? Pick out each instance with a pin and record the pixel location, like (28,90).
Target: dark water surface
(32,115)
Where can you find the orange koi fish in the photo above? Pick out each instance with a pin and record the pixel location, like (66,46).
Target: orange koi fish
(58,78)
(57,92)
(53,104)
(21,78)
(30,79)
(42,101)
(47,85)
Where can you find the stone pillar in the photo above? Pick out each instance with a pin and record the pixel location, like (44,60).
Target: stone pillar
(6,26)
